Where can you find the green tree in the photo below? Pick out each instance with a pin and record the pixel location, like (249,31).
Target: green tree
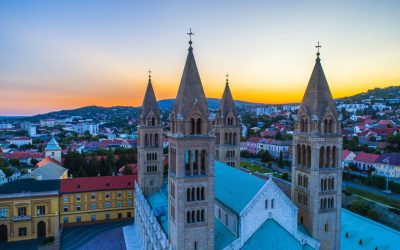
(127,170)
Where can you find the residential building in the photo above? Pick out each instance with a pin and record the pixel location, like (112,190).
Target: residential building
(47,123)
(19,141)
(94,199)
(388,164)
(250,145)
(347,157)
(29,209)
(266,110)
(5,125)
(365,161)
(32,131)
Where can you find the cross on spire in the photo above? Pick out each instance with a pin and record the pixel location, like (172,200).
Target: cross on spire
(227,77)
(190,36)
(318,46)
(150,73)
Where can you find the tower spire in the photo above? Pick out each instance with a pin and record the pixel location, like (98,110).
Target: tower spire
(227,78)
(318,46)
(190,37)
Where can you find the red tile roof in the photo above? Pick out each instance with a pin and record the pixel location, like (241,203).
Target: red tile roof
(24,138)
(345,153)
(365,157)
(47,160)
(133,167)
(87,184)
(23,155)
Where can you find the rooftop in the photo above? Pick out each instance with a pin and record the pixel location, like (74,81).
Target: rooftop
(87,184)
(29,185)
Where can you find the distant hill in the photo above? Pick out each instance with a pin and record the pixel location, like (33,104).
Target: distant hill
(376,93)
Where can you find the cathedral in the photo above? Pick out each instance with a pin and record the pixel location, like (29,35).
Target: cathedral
(207,202)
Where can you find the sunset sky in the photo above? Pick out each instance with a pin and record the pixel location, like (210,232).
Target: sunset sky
(66,54)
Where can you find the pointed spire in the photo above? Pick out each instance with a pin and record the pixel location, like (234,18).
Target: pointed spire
(52,145)
(227,104)
(150,101)
(191,90)
(318,97)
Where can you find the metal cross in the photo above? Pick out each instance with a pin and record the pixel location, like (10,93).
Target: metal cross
(149,73)
(190,35)
(318,46)
(227,77)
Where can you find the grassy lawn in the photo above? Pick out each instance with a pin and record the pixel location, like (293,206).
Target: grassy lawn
(375,197)
(254,167)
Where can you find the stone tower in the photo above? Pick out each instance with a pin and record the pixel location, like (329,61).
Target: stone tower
(316,167)
(191,165)
(227,130)
(150,150)
(53,150)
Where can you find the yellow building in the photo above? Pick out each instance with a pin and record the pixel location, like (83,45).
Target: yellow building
(29,209)
(94,199)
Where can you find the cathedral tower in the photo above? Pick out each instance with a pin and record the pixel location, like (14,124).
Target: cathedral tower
(150,150)
(316,166)
(191,165)
(227,130)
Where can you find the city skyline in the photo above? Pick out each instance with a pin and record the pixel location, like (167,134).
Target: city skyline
(66,55)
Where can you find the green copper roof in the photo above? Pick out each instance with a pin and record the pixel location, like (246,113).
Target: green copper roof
(223,237)
(373,234)
(159,203)
(272,236)
(52,145)
(235,188)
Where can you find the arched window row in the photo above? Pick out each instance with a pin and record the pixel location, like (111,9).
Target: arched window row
(195,194)
(328,125)
(195,162)
(230,138)
(327,203)
(195,216)
(302,199)
(151,156)
(328,184)
(304,125)
(303,155)
(230,154)
(151,140)
(152,169)
(151,121)
(230,121)
(302,180)
(195,126)
(328,157)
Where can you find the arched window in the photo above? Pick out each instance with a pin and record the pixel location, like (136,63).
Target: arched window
(193,194)
(328,157)
(156,140)
(321,157)
(192,126)
(330,126)
(198,194)
(306,125)
(226,138)
(303,155)
(188,195)
(153,121)
(188,218)
(234,138)
(298,154)
(322,184)
(325,126)
(198,126)
(308,156)
(146,140)
(202,194)
(198,215)
(299,179)
(334,156)
(202,215)
(325,185)
(272,203)
(203,161)
(193,216)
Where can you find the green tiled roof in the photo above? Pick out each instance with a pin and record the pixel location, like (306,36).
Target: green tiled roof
(159,203)
(272,236)
(223,237)
(371,233)
(29,185)
(235,188)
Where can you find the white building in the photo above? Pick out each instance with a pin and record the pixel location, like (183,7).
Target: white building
(290,108)
(266,110)
(19,141)
(47,123)
(5,125)
(380,107)
(84,127)
(353,107)
(32,131)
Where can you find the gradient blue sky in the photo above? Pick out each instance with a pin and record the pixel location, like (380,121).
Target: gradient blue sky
(67,54)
